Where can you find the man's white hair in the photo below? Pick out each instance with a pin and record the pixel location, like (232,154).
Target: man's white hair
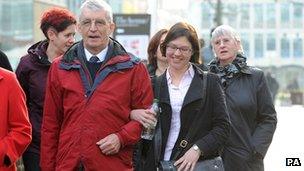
(96,5)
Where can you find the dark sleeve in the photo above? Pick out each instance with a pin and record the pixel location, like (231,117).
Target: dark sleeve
(4,62)
(266,118)
(23,77)
(220,121)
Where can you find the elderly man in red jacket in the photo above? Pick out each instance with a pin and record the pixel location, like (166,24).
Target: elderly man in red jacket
(15,129)
(90,93)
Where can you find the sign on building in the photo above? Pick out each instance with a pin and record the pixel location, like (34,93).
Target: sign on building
(133,31)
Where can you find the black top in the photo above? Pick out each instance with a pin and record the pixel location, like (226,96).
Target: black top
(4,62)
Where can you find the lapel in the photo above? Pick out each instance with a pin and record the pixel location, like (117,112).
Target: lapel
(164,96)
(165,116)
(195,90)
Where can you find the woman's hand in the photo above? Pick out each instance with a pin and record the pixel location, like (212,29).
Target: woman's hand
(188,160)
(145,116)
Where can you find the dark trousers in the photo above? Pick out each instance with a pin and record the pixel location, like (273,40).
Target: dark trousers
(31,161)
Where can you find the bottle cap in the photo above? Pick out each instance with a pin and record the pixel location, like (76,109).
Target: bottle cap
(155,100)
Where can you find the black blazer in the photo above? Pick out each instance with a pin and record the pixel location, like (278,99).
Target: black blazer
(214,124)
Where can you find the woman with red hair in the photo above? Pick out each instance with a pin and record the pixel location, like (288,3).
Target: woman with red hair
(58,26)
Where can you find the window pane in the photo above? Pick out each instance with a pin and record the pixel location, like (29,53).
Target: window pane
(232,14)
(244,15)
(5,18)
(258,45)
(297,47)
(298,15)
(270,15)
(206,15)
(245,42)
(18,27)
(285,17)
(285,51)
(258,16)
(271,42)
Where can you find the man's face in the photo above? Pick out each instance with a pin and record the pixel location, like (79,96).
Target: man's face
(95,29)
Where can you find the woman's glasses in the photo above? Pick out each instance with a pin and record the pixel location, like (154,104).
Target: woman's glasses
(183,49)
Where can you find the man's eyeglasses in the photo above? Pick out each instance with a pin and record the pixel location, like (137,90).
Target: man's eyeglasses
(183,50)
(97,22)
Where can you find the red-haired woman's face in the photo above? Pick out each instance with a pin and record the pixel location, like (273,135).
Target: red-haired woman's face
(65,39)
(159,55)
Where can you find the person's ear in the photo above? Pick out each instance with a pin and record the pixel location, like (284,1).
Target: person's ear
(78,27)
(51,33)
(112,27)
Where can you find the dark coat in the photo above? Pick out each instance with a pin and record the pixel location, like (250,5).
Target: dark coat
(214,124)
(253,120)
(32,73)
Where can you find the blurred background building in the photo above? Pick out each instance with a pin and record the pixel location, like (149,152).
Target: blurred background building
(271,30)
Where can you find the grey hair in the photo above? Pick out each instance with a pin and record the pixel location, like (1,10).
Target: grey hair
(96,5)
(226,30)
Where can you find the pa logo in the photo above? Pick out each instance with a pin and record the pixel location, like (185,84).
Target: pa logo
(293,162)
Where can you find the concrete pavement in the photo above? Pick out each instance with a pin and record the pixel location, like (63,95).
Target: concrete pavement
(288,141)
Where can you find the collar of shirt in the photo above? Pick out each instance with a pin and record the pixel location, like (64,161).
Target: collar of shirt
(101,55)
(188,75)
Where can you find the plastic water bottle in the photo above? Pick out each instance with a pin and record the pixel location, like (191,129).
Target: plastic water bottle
(148,132)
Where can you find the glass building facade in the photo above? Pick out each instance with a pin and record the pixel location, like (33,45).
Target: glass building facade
(16,26)
(269,30)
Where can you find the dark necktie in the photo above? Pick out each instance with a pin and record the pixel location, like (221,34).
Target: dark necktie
(94,59)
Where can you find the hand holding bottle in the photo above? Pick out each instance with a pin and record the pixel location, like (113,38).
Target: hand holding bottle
(148,131)
(146,117)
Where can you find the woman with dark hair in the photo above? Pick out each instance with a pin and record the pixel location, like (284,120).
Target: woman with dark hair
(186,109)
(4,62)
(157,63)
(249,102)
(59,27)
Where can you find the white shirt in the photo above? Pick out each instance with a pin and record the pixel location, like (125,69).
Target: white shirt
(101,55)
(177,95)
